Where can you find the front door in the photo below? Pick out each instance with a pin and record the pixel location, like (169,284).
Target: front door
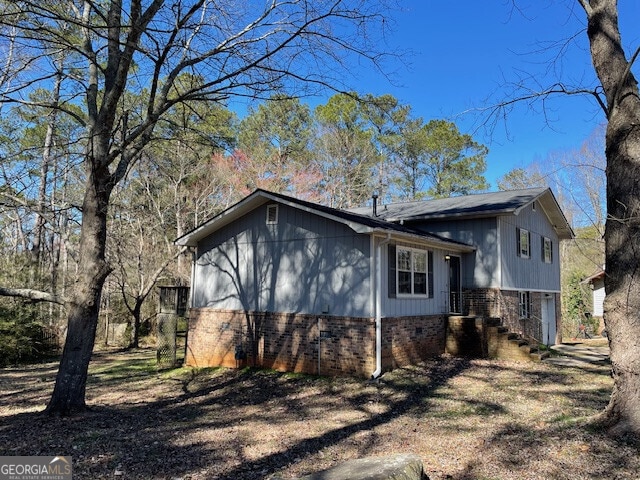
(455,292)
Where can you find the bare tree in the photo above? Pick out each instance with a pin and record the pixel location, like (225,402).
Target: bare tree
(228,49)
(618,97)
(621,105)
(587,181)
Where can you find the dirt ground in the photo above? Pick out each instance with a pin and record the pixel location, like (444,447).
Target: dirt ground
(468,420)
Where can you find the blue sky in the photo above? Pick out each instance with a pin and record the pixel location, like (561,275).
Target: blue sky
(464,52)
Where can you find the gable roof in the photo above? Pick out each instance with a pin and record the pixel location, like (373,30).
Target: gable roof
(476,206)
(357,222)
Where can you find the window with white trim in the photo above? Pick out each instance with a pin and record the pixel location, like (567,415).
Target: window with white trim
(412,269)
(524,243)
(547,250)
(524,307)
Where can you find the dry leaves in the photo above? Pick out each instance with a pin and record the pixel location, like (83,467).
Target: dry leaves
(466,419)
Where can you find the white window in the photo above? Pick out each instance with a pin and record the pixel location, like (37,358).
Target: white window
(524,243)
(412,269)
(272,214)
(547,250)
(524,307)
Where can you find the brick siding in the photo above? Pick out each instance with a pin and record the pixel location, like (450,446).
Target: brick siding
(289,342)
(407,340)
(505,304)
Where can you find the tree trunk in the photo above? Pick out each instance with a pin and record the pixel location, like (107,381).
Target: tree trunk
(69,392)
(137,322)
(622,231)
(622,281)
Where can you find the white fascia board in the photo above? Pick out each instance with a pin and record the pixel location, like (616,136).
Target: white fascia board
(557,218)
(191,239)
(427,241)
(533,290)
(455,216)
(356,227)
(553,212)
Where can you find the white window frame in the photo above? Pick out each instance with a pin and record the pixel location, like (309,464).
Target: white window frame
(413,271)
(524,246)
(272,219)
(524,304)
(547,250)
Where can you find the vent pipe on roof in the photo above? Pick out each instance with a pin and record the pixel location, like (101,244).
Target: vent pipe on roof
(375,204)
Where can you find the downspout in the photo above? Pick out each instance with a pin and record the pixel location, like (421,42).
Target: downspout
(378,289)
(194,254)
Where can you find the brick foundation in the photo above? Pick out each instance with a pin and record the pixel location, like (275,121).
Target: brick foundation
(467,337)
(407,340)
(504,304)
(291,342)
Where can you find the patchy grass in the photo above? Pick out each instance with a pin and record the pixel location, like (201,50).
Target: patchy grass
(466,419)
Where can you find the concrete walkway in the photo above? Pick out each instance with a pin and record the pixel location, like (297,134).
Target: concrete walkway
(578,354)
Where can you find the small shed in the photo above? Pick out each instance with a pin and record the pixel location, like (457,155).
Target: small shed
(596,284)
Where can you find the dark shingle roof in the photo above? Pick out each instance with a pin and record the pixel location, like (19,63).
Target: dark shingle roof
(474,206)
(481,204)
(394,218)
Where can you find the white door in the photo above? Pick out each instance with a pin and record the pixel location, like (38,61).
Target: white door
(549,320)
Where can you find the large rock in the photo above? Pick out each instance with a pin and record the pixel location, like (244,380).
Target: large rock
(394,467)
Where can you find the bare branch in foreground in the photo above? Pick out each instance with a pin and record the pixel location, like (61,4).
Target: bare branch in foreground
(32,295)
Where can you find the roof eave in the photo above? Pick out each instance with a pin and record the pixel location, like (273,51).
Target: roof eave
(426,240)
(552,209)
(191,238)
(457,215)
(257,198)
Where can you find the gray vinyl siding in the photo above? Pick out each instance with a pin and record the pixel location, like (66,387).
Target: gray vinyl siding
(403,306)
(480,269)
(303,264)
(528,273)
(495,263)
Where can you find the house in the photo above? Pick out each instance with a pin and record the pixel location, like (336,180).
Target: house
(596,283)
(514,271)
(287,284)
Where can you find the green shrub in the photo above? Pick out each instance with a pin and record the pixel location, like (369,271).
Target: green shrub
(22,337)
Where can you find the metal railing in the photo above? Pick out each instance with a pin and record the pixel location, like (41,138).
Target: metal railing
(533,331)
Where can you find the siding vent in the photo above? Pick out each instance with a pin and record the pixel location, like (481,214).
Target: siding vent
(272,214)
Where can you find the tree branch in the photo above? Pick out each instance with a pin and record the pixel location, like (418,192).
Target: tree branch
(31,295)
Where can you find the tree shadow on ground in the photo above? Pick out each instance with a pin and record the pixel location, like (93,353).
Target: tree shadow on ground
(166,437)
(557,451)
(251,424)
